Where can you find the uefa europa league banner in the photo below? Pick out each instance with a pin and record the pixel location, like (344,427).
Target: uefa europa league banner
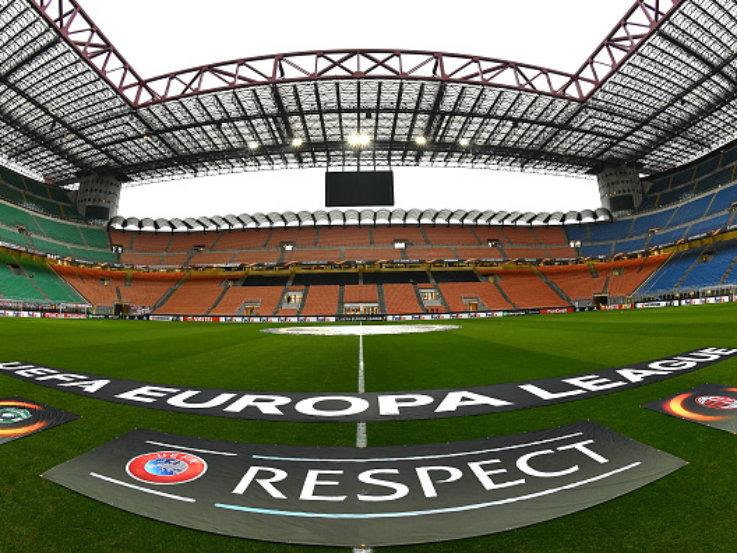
(372,497)
(327,407)
(21,417)
(711,405)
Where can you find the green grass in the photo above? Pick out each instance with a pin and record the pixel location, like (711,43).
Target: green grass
(693,509)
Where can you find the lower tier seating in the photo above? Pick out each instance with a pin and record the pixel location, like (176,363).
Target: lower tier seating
(193,297)
(27,279)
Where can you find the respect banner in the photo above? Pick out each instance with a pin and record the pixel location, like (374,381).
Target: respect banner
(377,496)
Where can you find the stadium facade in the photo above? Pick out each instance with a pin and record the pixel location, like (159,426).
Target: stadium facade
(650,113)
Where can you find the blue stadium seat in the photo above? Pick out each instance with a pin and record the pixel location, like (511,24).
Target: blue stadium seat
(576,232)
(654,220)
(681,178)
(630,245)
(710,273)
(659,186)
(596,251)
(708,225)
(713,181)
(708,166)
(690,211)
(669,274)
(648,202)
(729,157)
(603,232)
(724,198)
(668,237)
(675,195)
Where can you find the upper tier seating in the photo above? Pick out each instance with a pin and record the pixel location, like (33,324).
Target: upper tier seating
(37,196)
(688,202)
(33,231)
(330,245)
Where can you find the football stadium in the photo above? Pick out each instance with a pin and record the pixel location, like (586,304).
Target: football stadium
(369,376)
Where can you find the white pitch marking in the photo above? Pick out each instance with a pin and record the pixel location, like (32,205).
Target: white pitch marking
(361,436)
(361,433)
(142,489)
(163,444)
(355,330)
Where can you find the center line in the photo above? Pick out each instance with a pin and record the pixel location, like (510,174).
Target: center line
(361,435)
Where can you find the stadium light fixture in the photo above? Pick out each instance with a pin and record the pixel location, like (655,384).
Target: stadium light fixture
(420,140)
(253,145)
(358,140)
(297,142)
(464,142)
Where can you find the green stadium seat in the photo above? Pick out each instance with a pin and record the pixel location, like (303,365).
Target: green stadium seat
(95,237)
(34,281)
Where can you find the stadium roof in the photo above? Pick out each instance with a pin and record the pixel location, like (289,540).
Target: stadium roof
(366,217)
(659,90)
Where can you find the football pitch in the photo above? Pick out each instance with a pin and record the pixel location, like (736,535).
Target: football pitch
(693,509)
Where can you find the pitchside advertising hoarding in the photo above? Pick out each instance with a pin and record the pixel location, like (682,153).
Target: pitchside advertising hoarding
(373,496)
(711,405)
(367,406)
(21,417)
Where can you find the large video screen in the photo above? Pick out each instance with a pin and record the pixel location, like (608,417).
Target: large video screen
(359,189)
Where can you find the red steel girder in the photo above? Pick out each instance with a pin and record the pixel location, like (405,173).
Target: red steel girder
(78,29)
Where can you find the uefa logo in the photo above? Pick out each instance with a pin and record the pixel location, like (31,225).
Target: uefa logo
(166,467)
(722,403)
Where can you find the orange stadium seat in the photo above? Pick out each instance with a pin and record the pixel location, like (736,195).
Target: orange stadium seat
(386,236)
(299,236)
(194,297)
(321,300)
(487,294)
(451,236)
(400,299)
(528,291)
(346,236)
(265,300)
(151,241)
(184,242)
(361,293)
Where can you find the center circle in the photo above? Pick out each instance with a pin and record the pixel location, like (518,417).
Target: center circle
(356,330)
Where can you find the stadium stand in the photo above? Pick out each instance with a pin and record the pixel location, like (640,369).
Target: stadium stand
(473,296)
(193,297)
(27,279)
(401,299)
(321,300)
(36,196)
(527,290)
(689,202)
(249,300)
(22,228)
(105,288)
